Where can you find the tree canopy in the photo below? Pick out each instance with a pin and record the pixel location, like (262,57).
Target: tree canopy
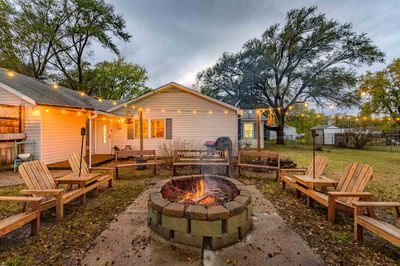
(382,92)
(309,58)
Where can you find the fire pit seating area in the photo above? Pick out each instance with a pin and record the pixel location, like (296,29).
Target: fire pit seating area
(205,211)
(201,158)
(264,160)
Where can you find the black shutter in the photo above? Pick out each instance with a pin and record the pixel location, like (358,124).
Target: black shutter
(254,130)
(168,127)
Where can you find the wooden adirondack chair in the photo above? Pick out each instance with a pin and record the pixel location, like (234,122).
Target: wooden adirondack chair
(74,162)
(383,229)
(348,191)
(18,220)
(40,183)
(320,165)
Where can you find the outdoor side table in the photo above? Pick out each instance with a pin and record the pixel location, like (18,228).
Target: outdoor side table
(82,181)
(311,183)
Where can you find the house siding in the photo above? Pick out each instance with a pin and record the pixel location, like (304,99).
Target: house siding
(60,134)
(187,127)
(8,98)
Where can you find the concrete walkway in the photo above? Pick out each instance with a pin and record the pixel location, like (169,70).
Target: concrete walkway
(129,241)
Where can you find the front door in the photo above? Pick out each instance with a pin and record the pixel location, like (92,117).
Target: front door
(103,137)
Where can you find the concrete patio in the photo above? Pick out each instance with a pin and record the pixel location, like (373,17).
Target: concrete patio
(129,241)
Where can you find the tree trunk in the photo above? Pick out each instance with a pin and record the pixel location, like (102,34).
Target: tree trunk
(280,129)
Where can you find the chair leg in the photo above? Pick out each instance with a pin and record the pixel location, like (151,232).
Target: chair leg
(298,194)
(59,208)
(35,225)
(110,183)
(358,231)
(331,209)
(283,184)
(310,202)
(238,170)
(116,172)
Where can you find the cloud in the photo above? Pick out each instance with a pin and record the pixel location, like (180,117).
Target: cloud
(175,39)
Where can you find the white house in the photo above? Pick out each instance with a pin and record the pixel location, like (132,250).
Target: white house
(326,134)
(173,115)
(248,124)
(51,116)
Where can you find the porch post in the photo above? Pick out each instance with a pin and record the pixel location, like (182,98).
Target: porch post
(90,141)
(258,112)
(141,127)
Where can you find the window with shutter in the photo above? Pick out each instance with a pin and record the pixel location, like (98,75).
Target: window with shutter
(168,128)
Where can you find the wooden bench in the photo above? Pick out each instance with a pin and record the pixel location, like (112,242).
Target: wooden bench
(261,157)
(320,165)
(40,183)
(349,190)
(149,155)
(383,229)
(74,162)
(200,158)
(15,221)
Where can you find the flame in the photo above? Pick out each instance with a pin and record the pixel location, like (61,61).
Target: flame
(200,191)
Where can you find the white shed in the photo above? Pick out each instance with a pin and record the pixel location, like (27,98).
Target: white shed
(326,134)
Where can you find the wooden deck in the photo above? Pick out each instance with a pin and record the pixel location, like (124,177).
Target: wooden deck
(97,160)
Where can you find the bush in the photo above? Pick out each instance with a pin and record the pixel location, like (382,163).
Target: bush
(167,149)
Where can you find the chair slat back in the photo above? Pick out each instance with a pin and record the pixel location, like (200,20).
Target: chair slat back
(320,165)
(355,179)
(36,175)
(260,154)
(74,161)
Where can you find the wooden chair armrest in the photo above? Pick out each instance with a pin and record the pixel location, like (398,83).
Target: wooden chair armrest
(376,204)
(348,194)
(42,192)
(20,199)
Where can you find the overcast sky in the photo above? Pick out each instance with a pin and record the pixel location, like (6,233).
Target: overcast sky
(175,39)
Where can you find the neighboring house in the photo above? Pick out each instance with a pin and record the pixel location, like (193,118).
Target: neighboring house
(52,117)
(289,132)
(248,129)
(174,115)
(326,134)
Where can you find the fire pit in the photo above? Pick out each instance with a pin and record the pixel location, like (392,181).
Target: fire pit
(205,211)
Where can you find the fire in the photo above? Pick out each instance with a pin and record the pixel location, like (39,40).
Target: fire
(199,192)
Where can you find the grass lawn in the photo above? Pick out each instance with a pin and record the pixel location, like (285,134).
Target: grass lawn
(386,164)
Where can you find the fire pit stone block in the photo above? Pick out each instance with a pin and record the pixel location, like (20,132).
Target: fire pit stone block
(153,214)
(245,192)
(206,228)
(249,210)
(155,195)
(174,210)
(235,222)
(234,208)
(224,240)
(196,212)
(217,213)
(189,239)
(243,200)
(160,230)
(159,204)
(175,223)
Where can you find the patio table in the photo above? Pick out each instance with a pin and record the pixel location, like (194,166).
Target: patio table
(311,183)
(82,181)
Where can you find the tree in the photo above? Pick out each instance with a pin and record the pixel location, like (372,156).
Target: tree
(310,58)
(383,89)
(304,119)
(117,80)
(90,20)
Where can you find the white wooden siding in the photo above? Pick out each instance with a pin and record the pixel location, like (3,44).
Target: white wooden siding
(60,134)
(186,126)
(33,131)
(10,99)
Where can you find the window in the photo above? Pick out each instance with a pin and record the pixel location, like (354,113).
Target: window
(157,128)
(248,129)
(145,128)
(130,131)
(104,134)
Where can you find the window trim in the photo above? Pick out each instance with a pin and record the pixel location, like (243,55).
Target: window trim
(244,130)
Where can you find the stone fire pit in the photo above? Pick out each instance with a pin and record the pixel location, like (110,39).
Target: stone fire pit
(205,211)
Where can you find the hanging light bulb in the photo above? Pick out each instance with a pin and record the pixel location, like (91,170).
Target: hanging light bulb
(10,74)
(226,112)
(82,93)
(194,111)
(210,112)
(55,86)
(162,111)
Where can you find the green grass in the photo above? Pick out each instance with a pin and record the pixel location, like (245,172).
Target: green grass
(386,164)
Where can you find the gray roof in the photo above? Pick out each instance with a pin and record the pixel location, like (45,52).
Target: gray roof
(45,94)
(323,127)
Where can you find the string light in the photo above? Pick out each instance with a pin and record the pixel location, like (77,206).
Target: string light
(55,86)
(209,112)
(226,112)
(147,109)
(162,111)
(194,111)
(125,105)
(82,93)
(47,110)
(104,118)
(63,112)
(10,74)
(100,99)
(133,107)
(79,113)
(179,111)
(114,103)
(305,105)
(363,93)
